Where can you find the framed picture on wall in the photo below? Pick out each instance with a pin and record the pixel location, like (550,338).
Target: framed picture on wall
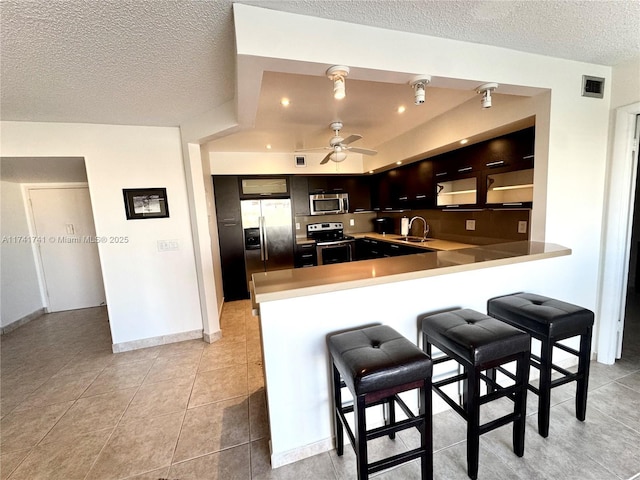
(142,203)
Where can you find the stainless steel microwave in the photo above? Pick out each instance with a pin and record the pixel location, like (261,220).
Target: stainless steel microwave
(325,203)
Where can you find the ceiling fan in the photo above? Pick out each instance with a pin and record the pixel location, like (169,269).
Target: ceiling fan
(339,146)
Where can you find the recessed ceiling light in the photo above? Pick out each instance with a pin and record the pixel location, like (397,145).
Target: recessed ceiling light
(398,163)
(370,171)
(285,102)
(401,109)
(463,141)
(268,146)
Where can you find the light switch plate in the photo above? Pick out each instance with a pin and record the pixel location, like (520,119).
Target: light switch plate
(297,225)
(167,245)
(352,222)
(471,225)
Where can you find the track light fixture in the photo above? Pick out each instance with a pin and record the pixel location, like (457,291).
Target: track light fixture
(419,82)
(338,73)
(486,90)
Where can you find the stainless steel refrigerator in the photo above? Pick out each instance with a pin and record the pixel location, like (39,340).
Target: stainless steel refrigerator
(268,236)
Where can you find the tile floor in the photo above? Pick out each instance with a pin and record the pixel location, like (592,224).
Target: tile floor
(73,410)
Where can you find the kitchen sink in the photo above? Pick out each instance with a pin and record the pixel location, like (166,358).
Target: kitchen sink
(417,239)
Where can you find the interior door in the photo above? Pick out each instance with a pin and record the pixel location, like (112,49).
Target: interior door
(68,249)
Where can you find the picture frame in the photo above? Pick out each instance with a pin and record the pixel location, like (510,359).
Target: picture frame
(144,203)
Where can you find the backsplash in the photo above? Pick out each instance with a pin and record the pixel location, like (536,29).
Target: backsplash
(491,226)
(362,222)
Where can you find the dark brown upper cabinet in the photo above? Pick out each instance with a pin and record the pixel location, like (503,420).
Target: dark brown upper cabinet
(481,175)
(357,186)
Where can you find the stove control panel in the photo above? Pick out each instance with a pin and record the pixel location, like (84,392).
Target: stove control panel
(324,227)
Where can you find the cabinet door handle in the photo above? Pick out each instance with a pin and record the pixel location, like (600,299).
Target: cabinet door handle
(418,197)
(402,198)
(465,169)
(495,164)
(528,157)
(441,174)
(229,224)
(513,204)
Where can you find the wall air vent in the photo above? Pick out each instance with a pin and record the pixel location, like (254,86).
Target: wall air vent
(592,86)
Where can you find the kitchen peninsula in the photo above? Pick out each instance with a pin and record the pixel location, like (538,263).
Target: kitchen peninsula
(299,308)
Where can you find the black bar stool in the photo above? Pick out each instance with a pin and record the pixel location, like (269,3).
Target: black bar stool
(375,364)
(478,343)
(550,321)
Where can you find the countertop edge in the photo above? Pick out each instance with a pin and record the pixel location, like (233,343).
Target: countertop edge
(556,251)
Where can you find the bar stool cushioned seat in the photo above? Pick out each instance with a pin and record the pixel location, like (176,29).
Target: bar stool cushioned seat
(550,320)
(375,364)
(478,343)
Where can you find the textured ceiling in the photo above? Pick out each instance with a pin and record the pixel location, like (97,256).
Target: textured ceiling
(162,62)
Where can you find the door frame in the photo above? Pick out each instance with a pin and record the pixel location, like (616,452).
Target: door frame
(26,189)
(616,238)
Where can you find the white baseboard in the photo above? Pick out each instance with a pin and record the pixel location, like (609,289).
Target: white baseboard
(21,321)
(213,337)
(291,456)
(156,341)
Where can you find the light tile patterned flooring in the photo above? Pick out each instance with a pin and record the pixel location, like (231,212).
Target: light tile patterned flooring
(192,411)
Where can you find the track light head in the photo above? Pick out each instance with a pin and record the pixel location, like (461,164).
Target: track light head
(419,82)
(486,90)
(338,73)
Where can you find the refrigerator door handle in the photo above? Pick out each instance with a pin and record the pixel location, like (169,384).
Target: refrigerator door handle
(266,242)
(261,230)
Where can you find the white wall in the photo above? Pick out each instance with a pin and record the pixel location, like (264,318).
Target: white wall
(260,163)
(20,294)
(149,293)
(626,83)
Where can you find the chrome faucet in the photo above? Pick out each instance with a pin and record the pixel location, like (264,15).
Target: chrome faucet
(426,227)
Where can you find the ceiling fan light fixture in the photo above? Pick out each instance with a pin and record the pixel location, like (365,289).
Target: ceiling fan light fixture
(338,74)
(419,82)
(486,90)
(338,156)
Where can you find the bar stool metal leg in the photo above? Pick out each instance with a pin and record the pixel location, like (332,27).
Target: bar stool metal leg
(583,372)
(337,399)
(360,431)
(522,378)
(472,407)
(390,415)
(426,434)
(544,393)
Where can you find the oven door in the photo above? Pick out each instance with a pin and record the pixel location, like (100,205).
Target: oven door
(335,252)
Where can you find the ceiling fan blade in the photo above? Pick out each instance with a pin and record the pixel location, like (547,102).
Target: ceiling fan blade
(326,159)
(315,149)
(351,138)
(364,151)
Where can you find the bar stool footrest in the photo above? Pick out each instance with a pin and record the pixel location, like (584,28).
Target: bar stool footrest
(395,460)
